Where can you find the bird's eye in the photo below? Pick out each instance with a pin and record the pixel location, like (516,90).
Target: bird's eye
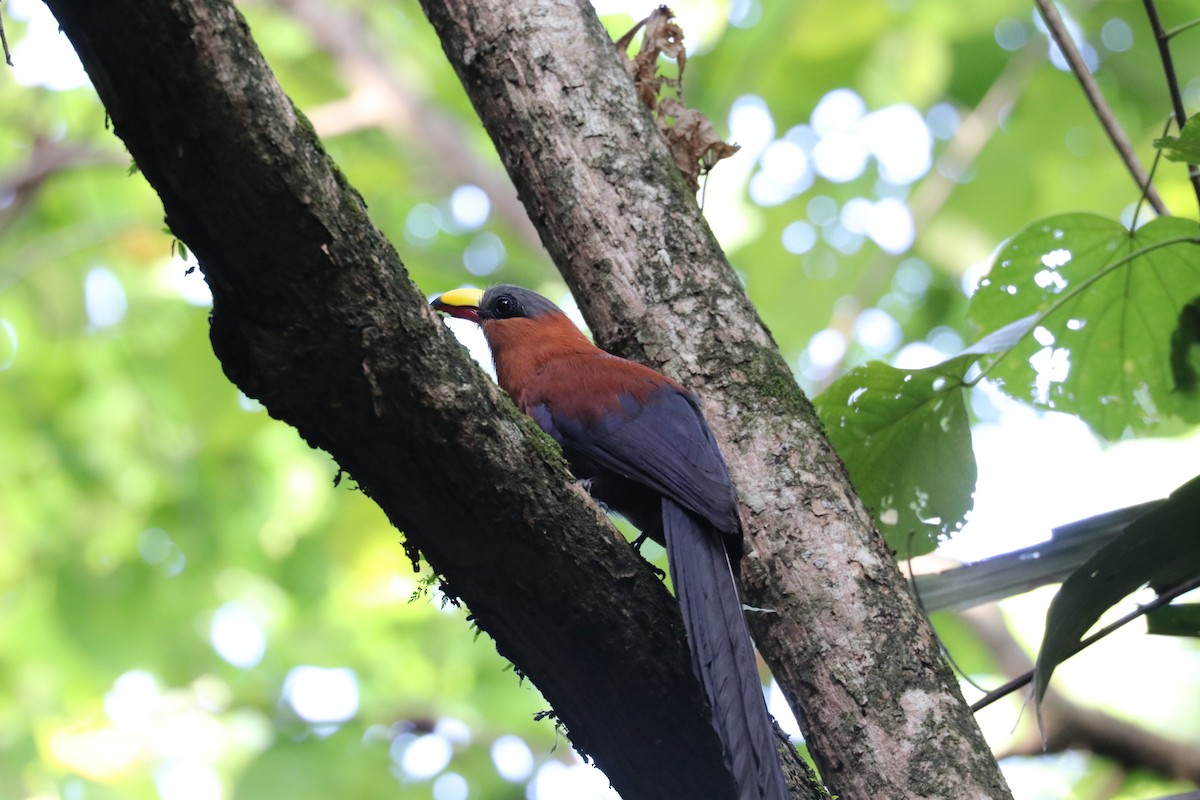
(505,306)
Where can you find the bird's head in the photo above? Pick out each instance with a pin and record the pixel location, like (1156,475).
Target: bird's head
(497,303)
(523,329)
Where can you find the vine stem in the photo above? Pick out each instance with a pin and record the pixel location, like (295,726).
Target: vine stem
(1091,90)
(1163,39)
(1024,679)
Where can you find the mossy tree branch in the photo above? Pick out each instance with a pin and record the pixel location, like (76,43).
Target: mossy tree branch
(854,655)
(314,316)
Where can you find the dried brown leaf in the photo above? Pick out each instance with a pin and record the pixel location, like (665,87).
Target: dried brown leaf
(661,36)
(694,144)
(623,43)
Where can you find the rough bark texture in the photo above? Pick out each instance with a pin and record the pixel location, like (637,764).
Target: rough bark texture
(314,316)
(856,659)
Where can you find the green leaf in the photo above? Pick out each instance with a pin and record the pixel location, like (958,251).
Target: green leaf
(1184,147)
(1160,548)
(1178,619)
(1115,334)
(905,439)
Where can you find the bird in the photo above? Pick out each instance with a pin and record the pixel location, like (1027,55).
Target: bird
(640,443)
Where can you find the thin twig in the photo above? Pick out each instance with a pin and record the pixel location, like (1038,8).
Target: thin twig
(1158,602)
(4,41)
(1163,40)
(1187,26)
(1091,90)
(1137,210)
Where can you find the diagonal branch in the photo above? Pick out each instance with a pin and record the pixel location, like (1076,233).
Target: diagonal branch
(46,159)
(1091,90)
(314,316)
(1163,40)
(4,43)
(844,638)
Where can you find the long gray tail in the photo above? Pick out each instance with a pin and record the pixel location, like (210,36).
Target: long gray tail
(722,654)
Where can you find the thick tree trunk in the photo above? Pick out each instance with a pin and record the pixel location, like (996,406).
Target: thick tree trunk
(314,316)
(854,655)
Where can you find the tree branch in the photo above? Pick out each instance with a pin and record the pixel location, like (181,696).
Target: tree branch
(46,159)
(4,43)
(852,652)
(1091,90)
(314,316)
(1163,40)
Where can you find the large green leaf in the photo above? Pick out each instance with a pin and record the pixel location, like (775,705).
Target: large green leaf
(1161,548)
(906,440)
(905,437)
(1115,335)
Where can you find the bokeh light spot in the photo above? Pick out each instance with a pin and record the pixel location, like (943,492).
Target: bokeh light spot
(236,635)
(1011,34)
(422,224)
(426,756)
(877,331)
(484,255)
(799,237)
(187,780)
(513,758)
(1116,35)
(320,695)
(451,786)
(470,206)
(104,297)
(750,124)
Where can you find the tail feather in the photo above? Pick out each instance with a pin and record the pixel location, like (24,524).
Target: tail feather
(722,654)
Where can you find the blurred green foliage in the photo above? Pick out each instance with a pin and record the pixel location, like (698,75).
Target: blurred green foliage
(144,504)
